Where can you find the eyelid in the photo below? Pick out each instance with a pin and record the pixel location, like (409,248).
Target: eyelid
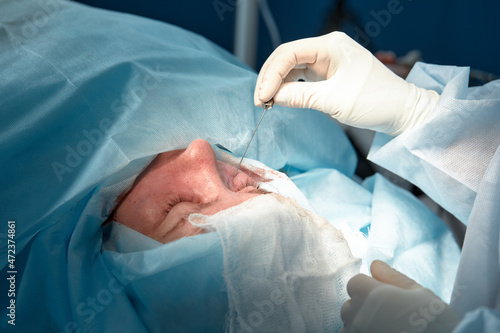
(184,214)
(188,208)
(257,191)
(169,206)
(247,183)
(172,203)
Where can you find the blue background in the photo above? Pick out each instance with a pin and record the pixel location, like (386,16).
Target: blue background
(448,32)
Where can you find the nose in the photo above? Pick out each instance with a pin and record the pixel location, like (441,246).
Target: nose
(200,168)
(200,149)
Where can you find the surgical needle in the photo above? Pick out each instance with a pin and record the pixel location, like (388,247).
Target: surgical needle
(267,106)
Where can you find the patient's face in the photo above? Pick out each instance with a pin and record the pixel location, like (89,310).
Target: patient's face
(178,183)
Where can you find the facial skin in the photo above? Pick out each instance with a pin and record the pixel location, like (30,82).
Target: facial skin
(178,183)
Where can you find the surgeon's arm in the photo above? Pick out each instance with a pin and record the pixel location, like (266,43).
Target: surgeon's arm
(336,75)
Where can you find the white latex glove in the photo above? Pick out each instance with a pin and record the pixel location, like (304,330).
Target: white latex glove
(392,302)
(344,80)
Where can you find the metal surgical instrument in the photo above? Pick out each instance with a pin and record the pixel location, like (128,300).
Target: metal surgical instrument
(267,106)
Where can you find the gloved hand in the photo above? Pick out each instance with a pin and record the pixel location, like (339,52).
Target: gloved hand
(344,80)
(392,302)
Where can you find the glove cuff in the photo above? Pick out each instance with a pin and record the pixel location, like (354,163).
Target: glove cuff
(424,101)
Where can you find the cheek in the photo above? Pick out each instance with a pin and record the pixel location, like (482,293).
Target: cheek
(225,173)
(138,215)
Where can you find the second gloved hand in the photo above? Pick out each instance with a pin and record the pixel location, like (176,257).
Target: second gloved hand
(344,80)
(392,302)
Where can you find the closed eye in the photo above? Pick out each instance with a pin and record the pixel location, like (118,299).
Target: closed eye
(172,203)
(254,190)
(246,184)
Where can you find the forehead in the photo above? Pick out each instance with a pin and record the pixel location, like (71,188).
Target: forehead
(160,161)
(149,174)
(156,167)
